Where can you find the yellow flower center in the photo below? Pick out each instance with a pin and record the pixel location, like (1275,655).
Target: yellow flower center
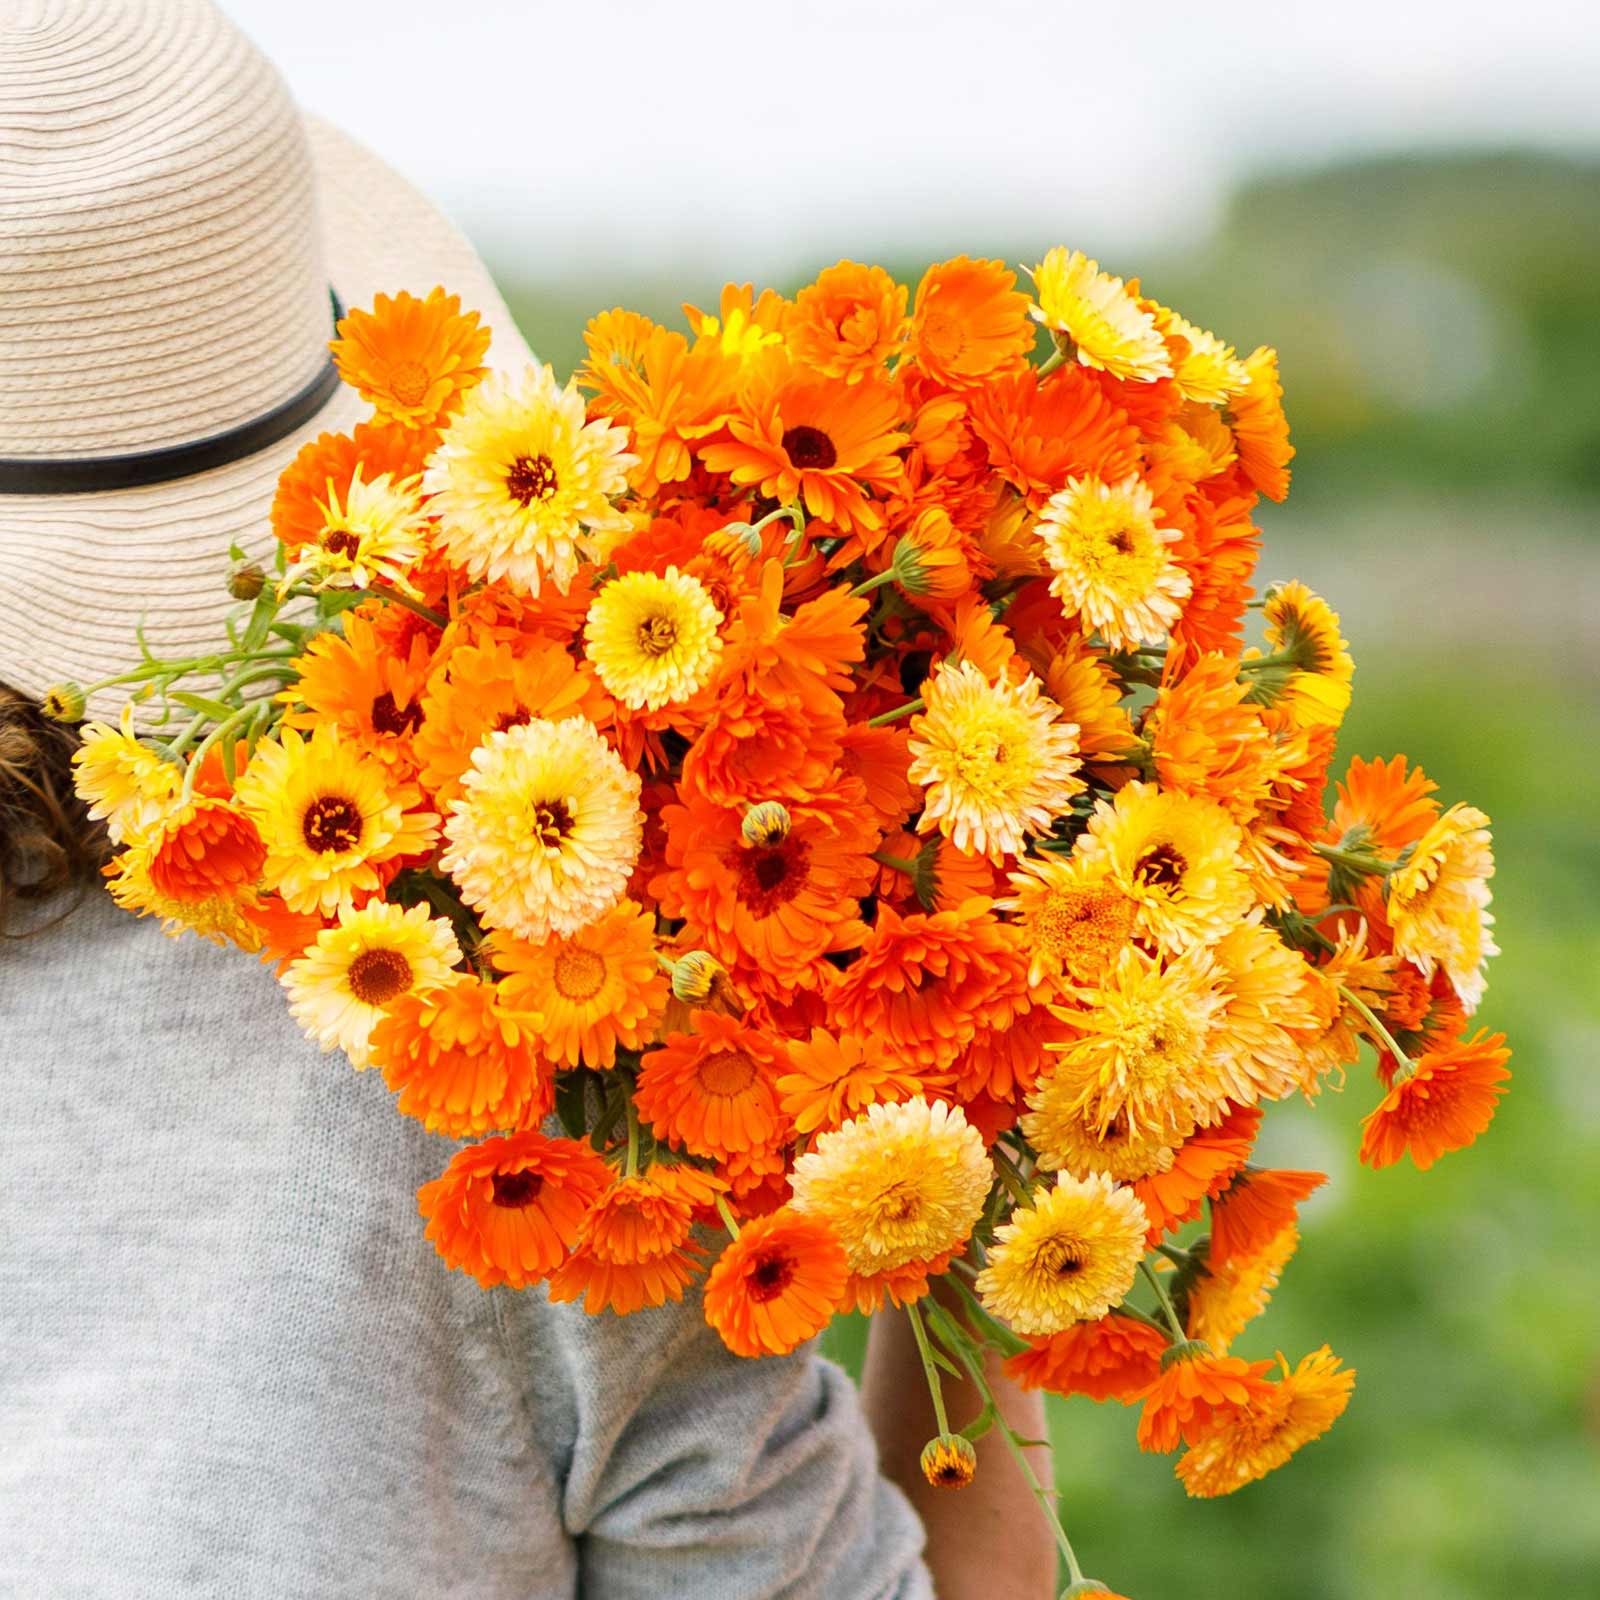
(377,976)
(727,1074)
(657,634)
(531,478)
(579,974)
(943,336)
(408,382)
(331,822)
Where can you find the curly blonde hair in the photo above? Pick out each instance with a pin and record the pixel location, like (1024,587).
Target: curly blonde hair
(47,842)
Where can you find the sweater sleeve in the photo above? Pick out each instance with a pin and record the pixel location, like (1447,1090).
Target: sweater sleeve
(697,1472)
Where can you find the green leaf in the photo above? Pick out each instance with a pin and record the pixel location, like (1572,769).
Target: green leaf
(334,602)
(261,615)
(572,1103)
(218,710)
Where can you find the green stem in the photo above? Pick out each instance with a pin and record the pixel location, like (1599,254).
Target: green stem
(877,581)
(394,597)
(1407,1065)
(1173,1325)
(632,1166)
(1179,1258)
(1361,862)
(885,717)
(930,1370)
(1051,362)
(1011,1176)
(1279,658)
(726,1214)
(895,863)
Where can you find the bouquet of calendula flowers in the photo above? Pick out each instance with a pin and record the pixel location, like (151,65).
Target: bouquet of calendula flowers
(808,776)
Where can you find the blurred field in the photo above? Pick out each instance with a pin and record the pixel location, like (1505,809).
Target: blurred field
(1439,322)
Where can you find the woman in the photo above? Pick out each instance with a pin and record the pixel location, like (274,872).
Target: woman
(228,1360)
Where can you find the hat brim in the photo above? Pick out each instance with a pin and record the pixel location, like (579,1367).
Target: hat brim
(80,573)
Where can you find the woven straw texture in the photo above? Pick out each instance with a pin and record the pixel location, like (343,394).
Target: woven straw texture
(169,229)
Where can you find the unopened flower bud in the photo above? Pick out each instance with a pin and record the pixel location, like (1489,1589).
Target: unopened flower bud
(949,1462)
(695,976)
(766,824)
(247,582)
(63,702)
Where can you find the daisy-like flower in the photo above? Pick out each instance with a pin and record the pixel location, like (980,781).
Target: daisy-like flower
(969,322)
(508,1210)
(329,819)
(1108,1358)
(375,534)
(522,483)
(849,322)
(1442,1106)
(594,989)
(1143,1049)
(1256,1207)
(1175,856)
(1310,678)
(224,917)
(370,449)
(203,849)
(1275,1422)
(1068,1134)
(124,783)
(1223,1300)
(1205,370)
(1112,565)
(653,637)
(714,1090)
(1068,1257)
(548,828)
(1195,1394)
(1260,430)
(634,1248)
(353,972)
(1438,902)
(1108,327)
(902,1184)
(777,1284)
(1270,1004)
(832,1077)
(1073,921)
(995,762)
(462,1057)
(412,360)
(1202,1167)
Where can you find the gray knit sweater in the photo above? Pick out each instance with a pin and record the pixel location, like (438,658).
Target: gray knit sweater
(230,1365)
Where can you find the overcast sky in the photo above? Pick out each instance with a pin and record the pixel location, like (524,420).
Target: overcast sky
(749,134)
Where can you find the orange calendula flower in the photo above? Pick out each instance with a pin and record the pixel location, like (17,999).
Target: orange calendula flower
(1275,1422)
(799,435)
(463,1059)
(849,322)
(969,322)
(1074,921)
(832,1077)
(714,1090)
(327,465)
(508,1210)
(411,359)
(1195,1394)
(592,990)
(204,849)
(1203,1166)
(1223,1300)
(1113,1357)
(1260,430)
(777,1284)
(1257,1206)
(1442,1106)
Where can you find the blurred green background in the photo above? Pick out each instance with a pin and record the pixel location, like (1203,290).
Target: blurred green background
(1438,319)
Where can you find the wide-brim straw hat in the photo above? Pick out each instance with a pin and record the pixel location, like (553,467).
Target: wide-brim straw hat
(172,235)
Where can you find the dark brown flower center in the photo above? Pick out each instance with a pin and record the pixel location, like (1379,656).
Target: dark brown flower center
(657,635)
(387,717)
(1121,541)
(531,478)
(552,822)
(513,1190)
(810,449)
(342,542)
(769,1276)
(377,976)
(1163,866)
(331,822)
(771,876)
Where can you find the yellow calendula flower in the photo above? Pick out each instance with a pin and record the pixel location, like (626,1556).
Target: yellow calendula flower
(1224,1300)
(376,533)
(653,637)
(1073,920)
(548,829)
(1108,327)
(1203,367)
(1439,899)
(1111,564)
(124,783)
(329,819)
(901,1183)
(1143,1053)
(1071,1134)
(339,988)
(1270,1004)
(522,483)
(1176,856)
(1068,1257)
(1262,1434)
(1312,667)
(994,759)
(220,918)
